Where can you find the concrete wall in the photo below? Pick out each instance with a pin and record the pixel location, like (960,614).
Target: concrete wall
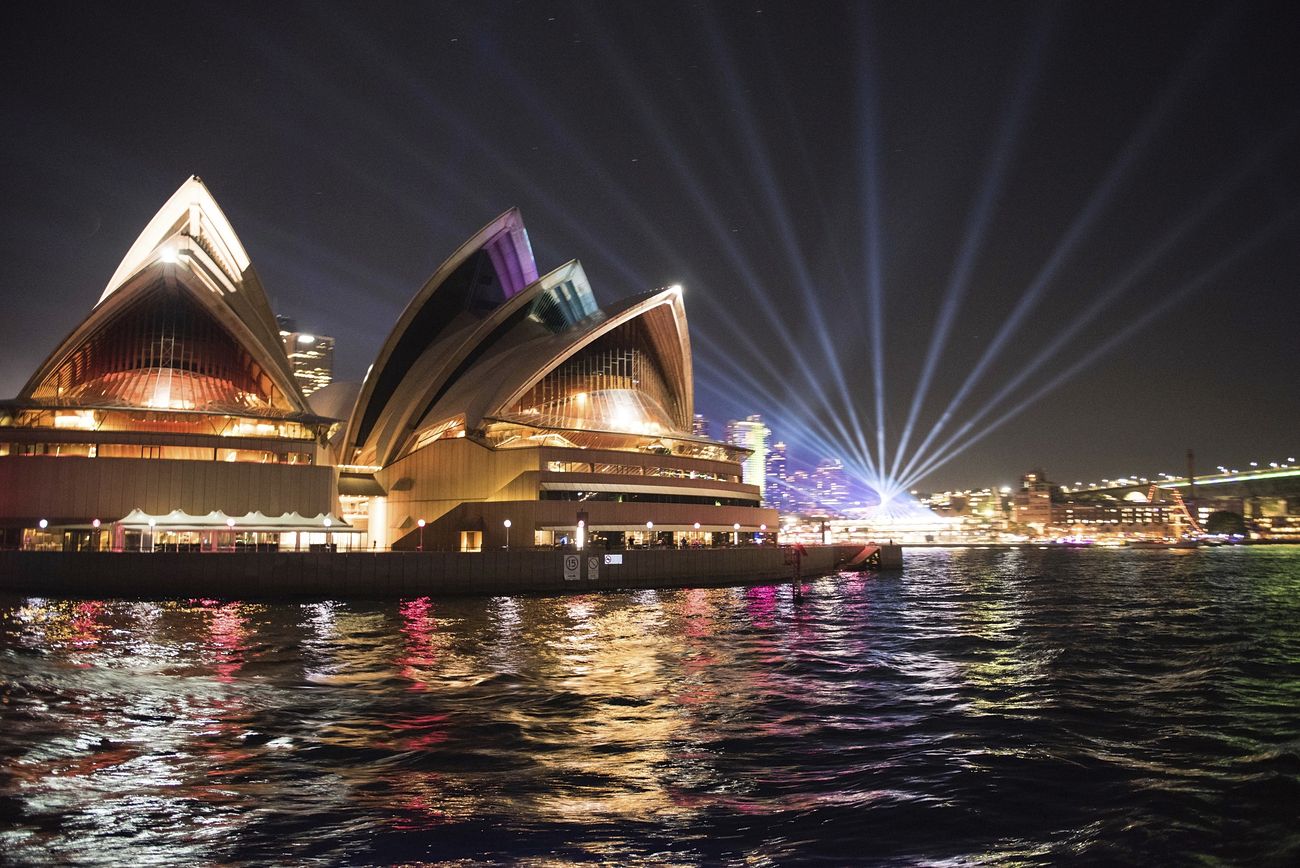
(63,489)
(391,574)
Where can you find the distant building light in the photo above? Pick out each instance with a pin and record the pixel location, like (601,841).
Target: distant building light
(306,339)
(43,523)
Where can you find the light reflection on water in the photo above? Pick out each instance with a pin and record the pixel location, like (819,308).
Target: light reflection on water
(985,706)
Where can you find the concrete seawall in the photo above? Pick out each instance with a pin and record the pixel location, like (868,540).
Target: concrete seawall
(399,574)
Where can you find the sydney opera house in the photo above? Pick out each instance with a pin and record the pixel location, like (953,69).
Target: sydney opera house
(505,408)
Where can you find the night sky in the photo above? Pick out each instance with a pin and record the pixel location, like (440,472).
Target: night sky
(1126,174)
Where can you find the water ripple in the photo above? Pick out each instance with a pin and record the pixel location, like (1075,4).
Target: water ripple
(1003,707)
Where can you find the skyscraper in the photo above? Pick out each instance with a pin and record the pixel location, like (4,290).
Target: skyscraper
(700,426)
(752,434)
(310,356)
(832,485)
(777,492)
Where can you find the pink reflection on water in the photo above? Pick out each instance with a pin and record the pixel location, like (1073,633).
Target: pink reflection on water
(418,628)
(700,629)
(760,602)
(419,732)
(226,632)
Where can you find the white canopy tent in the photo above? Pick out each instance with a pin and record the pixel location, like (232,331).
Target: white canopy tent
(255,522)
(218,531)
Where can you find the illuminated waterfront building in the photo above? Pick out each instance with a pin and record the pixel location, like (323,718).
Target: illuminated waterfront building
(502,398)
(503,394)
(173,394)
(1033,502)
(751,434)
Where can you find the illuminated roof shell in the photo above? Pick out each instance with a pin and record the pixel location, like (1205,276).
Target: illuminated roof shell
(430,326)
(190,247)
(455,360)
(491,390)
(443,363)
(493,385)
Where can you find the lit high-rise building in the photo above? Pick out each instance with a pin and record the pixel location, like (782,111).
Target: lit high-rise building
(752,434)
(777,490)
(832,485)
(699,425)
(1034,501)
(311,357)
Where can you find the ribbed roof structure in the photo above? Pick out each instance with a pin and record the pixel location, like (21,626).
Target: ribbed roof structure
(481,277)
(184,324)
(543,354)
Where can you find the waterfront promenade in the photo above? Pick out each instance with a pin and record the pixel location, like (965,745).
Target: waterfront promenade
(377,575)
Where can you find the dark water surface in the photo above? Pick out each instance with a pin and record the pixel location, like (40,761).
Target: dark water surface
(982,707)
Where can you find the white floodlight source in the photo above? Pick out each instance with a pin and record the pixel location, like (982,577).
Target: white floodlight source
(43,523)
(306,339)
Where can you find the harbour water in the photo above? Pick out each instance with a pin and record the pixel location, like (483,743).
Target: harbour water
(1013,707)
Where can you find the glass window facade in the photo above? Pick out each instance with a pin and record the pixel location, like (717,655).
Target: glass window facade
(164,351)
(644,497)
(613,384)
